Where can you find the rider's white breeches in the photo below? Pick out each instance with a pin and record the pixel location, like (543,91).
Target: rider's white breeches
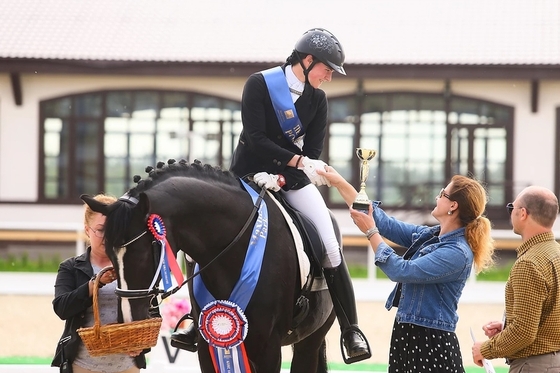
(309,201)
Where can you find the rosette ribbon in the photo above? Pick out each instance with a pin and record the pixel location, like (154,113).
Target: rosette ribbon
(157,228)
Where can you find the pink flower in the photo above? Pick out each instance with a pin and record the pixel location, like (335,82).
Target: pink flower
(172,309)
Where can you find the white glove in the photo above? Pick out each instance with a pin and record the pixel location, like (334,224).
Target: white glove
(310,166)
(269,181)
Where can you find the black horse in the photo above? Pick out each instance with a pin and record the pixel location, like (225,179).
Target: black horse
(203,209)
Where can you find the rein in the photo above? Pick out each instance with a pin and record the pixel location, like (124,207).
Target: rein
(154,290)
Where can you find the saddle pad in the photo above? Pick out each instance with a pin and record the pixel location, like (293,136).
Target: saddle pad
(303,260)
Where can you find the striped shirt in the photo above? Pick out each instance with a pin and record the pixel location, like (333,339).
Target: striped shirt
(532,299)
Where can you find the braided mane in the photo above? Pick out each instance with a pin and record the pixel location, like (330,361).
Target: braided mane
(195,170)
(121,212)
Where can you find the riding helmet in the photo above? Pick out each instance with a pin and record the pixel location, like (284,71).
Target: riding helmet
(324,46)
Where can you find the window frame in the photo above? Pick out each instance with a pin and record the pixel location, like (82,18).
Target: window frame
(72,197)
(493,211)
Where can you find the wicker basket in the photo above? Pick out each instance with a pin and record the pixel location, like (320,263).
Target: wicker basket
(118,338)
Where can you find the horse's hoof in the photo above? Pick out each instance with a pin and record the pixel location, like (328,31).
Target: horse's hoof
(184,346)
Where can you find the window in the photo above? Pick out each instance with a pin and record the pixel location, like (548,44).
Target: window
(421,141)
(97,141)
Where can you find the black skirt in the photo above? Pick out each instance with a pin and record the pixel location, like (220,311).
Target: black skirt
(417,349)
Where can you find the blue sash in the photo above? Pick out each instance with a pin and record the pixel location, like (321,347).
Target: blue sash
(283,105)
(243,290)
(226,342)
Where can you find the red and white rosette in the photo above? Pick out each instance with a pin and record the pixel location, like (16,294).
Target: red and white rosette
(223,324)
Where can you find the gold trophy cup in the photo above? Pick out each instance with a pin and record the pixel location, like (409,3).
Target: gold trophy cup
(362,201)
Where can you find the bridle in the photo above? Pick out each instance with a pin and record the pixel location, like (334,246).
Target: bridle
(142,293)
(153,290)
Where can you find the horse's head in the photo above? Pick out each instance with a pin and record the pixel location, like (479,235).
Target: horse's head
(192,200)
(128,240)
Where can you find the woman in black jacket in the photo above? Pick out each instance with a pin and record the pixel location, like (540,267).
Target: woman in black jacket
(73,302)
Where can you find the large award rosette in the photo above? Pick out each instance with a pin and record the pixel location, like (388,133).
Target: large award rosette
(222,323)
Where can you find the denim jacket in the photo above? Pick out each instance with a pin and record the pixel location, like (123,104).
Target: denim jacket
(431,274)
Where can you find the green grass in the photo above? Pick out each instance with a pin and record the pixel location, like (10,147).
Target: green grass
(25,360)
(356,367)
(498,273)
(22,263)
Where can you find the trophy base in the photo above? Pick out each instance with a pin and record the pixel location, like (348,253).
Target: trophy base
(361,206)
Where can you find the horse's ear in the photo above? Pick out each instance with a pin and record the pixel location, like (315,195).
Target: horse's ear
(95,205)
(144,204)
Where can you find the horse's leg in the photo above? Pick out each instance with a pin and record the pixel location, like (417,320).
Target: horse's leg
(268,358)
(310,354)
(204,358)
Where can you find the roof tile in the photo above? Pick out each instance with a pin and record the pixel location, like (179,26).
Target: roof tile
(372,32)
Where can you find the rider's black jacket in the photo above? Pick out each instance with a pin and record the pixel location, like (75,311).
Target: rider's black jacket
(262,146)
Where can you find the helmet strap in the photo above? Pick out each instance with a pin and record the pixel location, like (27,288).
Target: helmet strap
(306,70)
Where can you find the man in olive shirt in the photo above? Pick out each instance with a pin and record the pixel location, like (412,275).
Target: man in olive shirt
(530,337)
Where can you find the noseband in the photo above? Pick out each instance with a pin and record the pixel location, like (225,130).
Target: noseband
(142,293)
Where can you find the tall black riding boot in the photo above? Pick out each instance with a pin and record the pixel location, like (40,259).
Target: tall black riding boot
(185,339)
(342,294)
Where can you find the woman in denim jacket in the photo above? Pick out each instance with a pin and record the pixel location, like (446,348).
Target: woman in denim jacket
(432,273)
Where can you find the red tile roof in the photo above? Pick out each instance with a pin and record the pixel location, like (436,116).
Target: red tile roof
(470,32)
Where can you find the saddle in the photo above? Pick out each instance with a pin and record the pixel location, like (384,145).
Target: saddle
(312,244)
(314,249)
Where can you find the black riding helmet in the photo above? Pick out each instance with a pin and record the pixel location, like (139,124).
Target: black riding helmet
(324,46)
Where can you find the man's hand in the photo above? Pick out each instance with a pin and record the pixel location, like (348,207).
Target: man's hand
(266,180)
(310,167)
(492,328)
(477,356)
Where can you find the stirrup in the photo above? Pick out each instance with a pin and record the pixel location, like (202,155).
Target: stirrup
(184,346)
(348,359)
(186,316)
(178,343)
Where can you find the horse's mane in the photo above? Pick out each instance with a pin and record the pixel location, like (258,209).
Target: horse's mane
(121,211)
(195,170)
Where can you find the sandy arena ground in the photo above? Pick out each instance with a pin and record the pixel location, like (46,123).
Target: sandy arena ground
(29,327)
